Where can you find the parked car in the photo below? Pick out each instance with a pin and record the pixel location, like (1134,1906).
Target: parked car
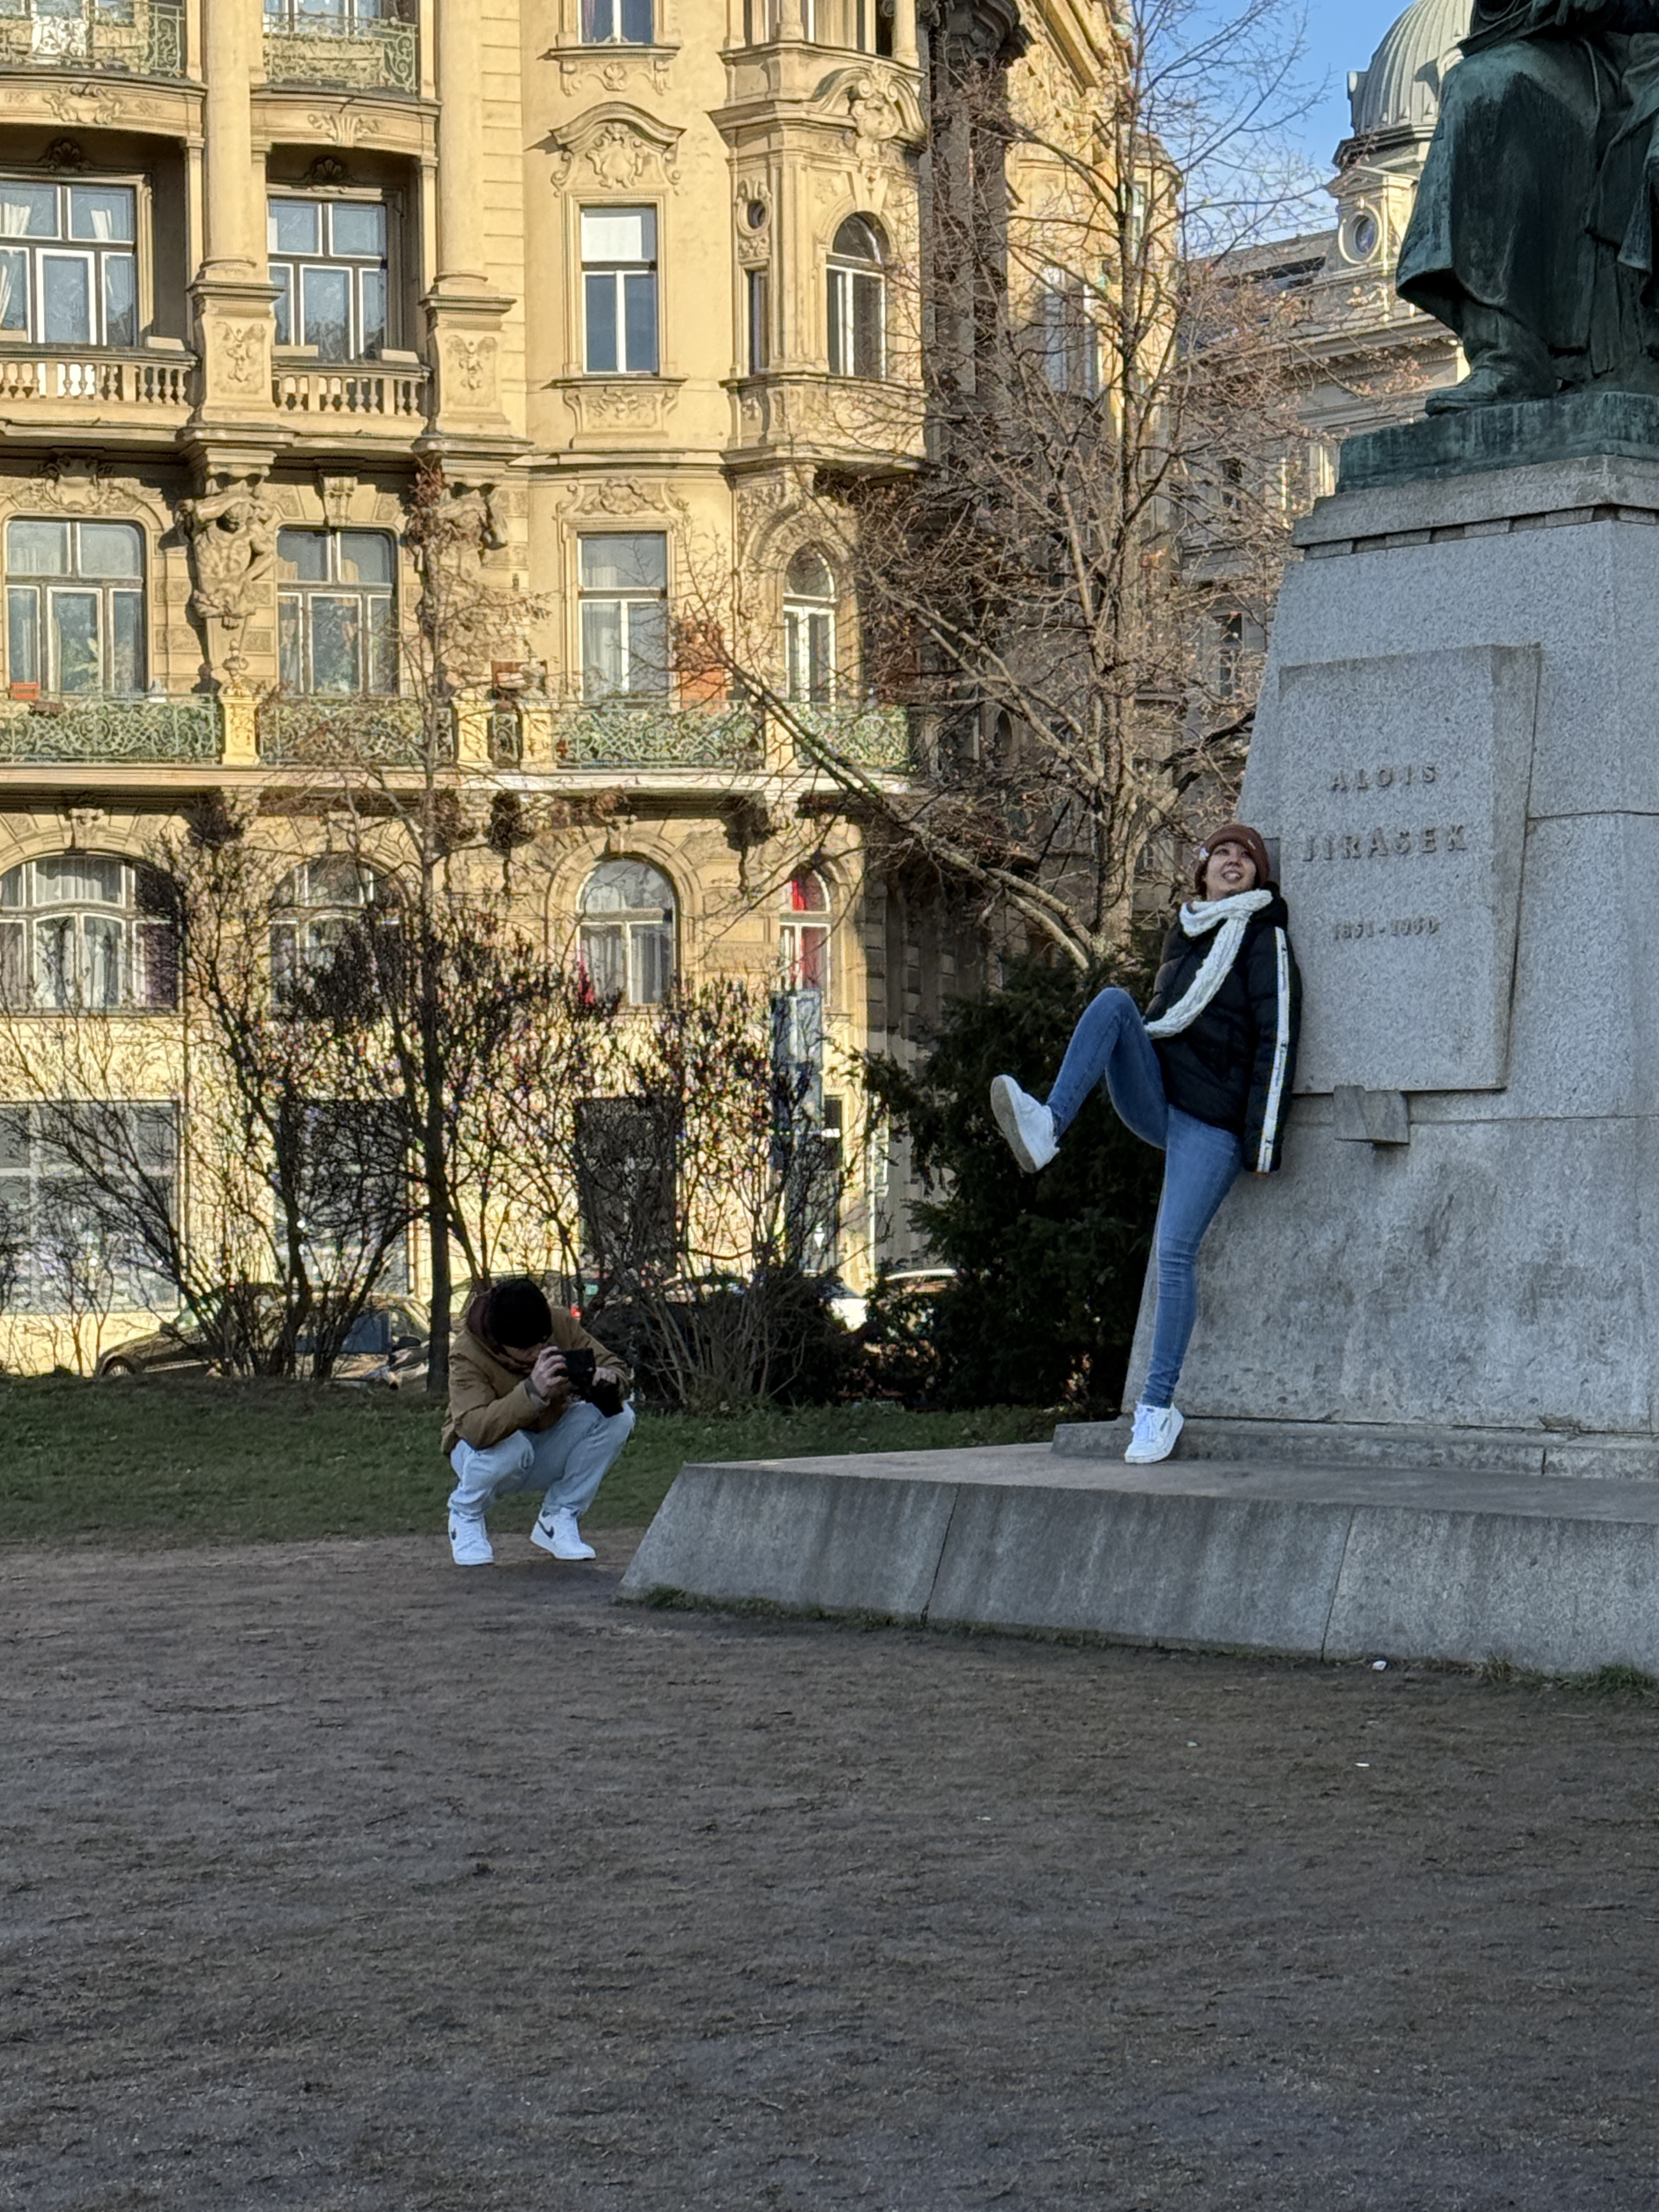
(387,1345)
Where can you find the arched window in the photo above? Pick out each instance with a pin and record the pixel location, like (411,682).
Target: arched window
(858,299)
(316,904)
(627,914)
(803,933)
(809,628)
(85,932)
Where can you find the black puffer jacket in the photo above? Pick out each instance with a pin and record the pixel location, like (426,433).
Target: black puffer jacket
(1235,1066)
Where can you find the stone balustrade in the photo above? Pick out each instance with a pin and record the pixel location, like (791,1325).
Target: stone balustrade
(370,394)
(129,38)
(363,49)
(140,381)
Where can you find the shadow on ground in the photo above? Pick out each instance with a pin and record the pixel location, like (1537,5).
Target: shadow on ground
(335,1878)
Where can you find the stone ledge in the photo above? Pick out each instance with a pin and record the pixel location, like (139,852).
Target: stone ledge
(1572,425)
(1536,494)
(1353,1447)
(1411,1563)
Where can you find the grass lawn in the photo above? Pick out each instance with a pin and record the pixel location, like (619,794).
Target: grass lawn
(190,1462)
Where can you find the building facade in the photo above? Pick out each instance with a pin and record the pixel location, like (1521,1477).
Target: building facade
(629,272)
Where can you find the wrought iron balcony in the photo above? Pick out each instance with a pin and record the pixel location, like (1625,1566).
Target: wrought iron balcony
(64,730)
(129,38)
(345,733)
(870,737)
(350,46)
(617,734)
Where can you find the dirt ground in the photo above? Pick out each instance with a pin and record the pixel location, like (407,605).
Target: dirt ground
(336,1877)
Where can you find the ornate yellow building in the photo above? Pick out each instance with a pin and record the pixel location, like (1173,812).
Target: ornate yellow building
(630,271)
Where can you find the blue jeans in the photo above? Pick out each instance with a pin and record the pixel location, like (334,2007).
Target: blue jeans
(570,1461)
(1201,1163)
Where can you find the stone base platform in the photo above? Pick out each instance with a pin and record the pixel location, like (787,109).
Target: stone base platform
(1424,1562)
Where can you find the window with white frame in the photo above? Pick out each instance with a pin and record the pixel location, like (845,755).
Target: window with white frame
(318,905)
(803,933)
(626,928)
(336,611)
(87,932)
(808,629)
(74,608)
(858,299)
(79,1232)
(616,22)
(624,615)
(69,265)
(329,262)
(619,291)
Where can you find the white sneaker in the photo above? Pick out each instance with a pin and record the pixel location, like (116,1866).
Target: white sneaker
(1027,1126)
(561,1536)
(1156,1430)
(468,1541)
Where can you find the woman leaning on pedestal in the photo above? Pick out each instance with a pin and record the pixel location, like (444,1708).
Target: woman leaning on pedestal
(1205,1077)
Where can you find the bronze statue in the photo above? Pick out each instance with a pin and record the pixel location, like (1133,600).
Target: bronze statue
(1532,236)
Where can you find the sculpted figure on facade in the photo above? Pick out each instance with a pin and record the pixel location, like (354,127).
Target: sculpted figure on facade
(231,536)
(1532,236)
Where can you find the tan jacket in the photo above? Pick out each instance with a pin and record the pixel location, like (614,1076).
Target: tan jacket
(489,1402)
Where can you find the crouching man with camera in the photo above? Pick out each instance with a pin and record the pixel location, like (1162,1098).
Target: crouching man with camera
(535,1403)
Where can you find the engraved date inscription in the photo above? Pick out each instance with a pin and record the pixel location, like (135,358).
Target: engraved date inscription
(1401,924)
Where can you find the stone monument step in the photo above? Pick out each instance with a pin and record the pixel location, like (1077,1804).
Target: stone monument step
(1429,1563)
(1363,1445)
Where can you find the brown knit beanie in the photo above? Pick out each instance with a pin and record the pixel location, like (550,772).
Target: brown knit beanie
(1234,833)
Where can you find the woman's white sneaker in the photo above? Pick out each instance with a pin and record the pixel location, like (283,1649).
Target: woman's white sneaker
(1156,1430)
(1028,1125)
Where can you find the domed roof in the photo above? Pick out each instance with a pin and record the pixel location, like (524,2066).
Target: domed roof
(1400,90)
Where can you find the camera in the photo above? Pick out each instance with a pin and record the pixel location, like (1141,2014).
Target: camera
(580,1367)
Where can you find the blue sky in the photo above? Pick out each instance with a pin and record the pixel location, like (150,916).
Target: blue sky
(1342,35)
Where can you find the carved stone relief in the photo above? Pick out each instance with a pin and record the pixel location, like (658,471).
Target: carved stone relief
(231,533)
(617,145)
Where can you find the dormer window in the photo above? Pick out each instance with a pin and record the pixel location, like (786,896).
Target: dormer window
(69,273)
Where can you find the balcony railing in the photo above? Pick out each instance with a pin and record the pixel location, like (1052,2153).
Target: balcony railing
(361,45)
(63,731)
(137,382)
(870,737)
(366,396)
(333,734)
(617,734)
(130,38)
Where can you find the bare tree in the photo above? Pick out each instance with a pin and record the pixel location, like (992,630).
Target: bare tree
(268,1200)
(440,974)
(1069,591)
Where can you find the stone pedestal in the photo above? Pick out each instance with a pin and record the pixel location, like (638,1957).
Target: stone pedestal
(1457,749)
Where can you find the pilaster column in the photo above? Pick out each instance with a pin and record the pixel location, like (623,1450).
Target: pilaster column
(231,58)
(462,314)
(904,33)
(460,150)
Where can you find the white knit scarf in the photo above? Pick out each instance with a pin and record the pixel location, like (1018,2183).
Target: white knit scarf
(1197,916)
